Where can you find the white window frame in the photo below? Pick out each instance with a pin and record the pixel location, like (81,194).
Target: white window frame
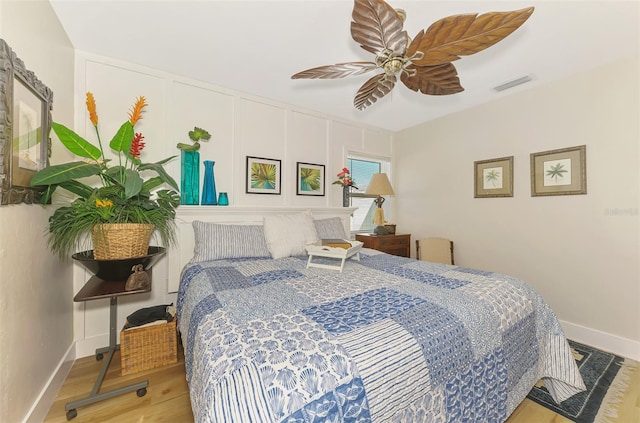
(385,167)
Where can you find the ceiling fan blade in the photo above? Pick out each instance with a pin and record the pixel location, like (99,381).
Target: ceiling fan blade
(375,88)
(433,80)
(339,70)
(376,26)
(462,35)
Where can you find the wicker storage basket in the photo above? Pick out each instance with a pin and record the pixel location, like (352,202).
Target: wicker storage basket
(148,347)
(121,240)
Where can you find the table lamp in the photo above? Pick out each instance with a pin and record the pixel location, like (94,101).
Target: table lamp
(379,185)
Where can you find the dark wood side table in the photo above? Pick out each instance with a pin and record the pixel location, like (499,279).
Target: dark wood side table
(397,244)
(95,289)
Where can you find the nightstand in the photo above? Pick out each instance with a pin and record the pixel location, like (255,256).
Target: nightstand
(398,244)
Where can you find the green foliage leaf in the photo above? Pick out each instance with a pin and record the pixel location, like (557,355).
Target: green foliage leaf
(157,167)
(121,141)
(164,161)
(57,174)
(78,188)
(168,199)
(132,183)
(115,174)
(75,143)
(109,192)
(45,198)
(152,183)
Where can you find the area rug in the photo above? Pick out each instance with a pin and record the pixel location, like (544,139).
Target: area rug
(606,377)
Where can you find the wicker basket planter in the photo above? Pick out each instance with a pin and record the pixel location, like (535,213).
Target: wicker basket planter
(121,240)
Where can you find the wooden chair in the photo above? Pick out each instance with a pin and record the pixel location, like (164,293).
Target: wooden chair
(436,250)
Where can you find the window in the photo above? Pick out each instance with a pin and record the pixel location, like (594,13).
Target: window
(362,168)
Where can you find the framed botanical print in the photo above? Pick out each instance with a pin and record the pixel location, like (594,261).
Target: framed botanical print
(263,176)
(559,172)
(494,178)
(309,179)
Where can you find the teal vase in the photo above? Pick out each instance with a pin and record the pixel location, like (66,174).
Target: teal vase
(209,196)
(189,177)
(223,199)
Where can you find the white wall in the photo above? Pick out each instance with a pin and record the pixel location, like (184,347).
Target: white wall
(580,252)
(36,288)
(241,125)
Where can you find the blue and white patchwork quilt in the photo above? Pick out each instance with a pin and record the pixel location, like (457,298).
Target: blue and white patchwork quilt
(390,339)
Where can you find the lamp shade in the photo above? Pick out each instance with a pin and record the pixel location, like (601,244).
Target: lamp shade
(379,185)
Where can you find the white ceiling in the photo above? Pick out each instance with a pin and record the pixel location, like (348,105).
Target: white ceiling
(255,47)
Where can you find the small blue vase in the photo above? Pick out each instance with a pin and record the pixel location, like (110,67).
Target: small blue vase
(223,199)
(209,197)
(189,177)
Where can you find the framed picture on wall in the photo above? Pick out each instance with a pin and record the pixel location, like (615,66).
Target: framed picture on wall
(309,179)
(263,176)
(25,145)
(493,178)
(559,172)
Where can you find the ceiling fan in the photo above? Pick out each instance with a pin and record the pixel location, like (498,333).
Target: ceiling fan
(424,63)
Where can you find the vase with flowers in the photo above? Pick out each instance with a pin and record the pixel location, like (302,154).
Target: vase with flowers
(112,193)
(190,166)
(347,182)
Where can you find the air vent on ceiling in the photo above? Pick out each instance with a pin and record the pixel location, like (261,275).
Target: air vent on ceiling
(513,83)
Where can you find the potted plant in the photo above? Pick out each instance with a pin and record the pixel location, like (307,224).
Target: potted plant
(123,206)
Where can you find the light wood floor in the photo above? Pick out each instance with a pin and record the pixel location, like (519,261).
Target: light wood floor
(167,398)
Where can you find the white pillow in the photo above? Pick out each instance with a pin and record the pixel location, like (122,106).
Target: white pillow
(288,234)
(215,241)
(330,228)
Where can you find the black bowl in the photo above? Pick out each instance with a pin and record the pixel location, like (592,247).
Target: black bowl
(117,269)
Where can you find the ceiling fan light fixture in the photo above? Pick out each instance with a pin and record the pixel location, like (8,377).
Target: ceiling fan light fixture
(423,63)
(514,83)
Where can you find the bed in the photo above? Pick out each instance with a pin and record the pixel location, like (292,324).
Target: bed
(388,339)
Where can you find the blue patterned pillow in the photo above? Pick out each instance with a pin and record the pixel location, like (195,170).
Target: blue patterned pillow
(216,241)
(330,228)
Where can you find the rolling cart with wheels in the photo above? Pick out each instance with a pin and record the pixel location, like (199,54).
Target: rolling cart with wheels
(94,289)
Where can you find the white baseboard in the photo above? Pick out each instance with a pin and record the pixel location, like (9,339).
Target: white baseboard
(615,344)
(80,348)
(41,406)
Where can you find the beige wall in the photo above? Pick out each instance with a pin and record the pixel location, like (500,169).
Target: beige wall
(35,288)
(580,252)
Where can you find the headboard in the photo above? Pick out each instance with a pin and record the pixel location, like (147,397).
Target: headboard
(180,255)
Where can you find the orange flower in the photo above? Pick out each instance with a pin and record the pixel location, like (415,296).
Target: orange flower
(91,107)
(136,113)
(137,145)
